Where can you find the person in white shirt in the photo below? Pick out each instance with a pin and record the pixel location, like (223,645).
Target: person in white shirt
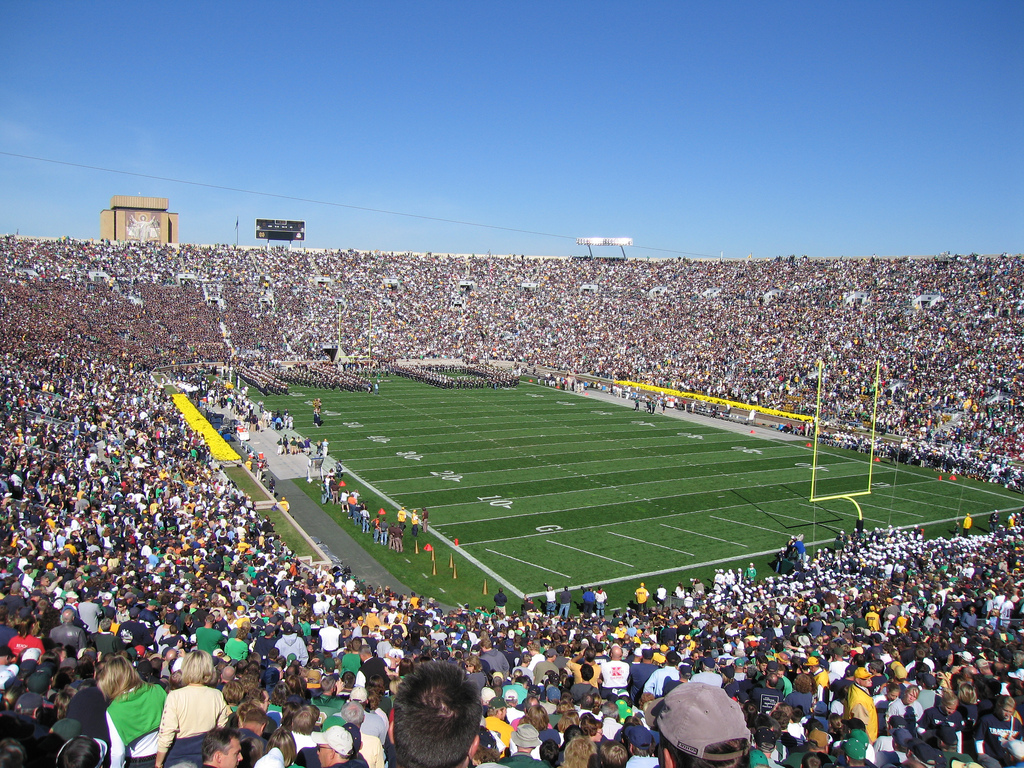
(330,636)
(614,673)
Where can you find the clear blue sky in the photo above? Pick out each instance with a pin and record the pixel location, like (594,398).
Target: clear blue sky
(738,127)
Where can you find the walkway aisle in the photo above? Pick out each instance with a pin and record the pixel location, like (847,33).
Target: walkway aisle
(289,472)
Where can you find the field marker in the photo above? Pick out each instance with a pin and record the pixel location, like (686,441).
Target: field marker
(652,544)
(749,525)
(706,536)
(592,554)
(524,562)
(444,539)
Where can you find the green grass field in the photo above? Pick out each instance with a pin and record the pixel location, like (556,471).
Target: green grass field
(540,485)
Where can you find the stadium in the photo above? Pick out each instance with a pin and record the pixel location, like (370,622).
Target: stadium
(512,386)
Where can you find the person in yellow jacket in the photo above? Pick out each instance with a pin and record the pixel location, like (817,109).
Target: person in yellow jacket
(860,704)
(642,596)
(873,619)
(968,524)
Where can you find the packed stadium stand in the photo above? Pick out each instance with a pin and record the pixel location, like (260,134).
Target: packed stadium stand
(129,561)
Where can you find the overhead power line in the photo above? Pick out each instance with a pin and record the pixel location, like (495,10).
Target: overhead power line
(330,203)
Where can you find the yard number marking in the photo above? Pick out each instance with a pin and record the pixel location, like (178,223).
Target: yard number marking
(411,455)
(496,501)
(448,475)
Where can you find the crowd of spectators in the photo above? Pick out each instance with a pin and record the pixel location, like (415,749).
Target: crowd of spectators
(146,605)
(747,330)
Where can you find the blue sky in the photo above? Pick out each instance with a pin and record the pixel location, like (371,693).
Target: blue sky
(822,128)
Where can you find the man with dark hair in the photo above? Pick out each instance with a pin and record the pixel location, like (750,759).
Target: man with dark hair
(222,748)
(436,718)
(700,727)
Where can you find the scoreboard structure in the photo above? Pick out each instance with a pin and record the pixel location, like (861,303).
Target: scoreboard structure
(280,229)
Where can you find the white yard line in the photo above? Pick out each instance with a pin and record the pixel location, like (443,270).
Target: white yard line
(532,565)
(705,535)
(749,525)
(592,554)
(652,544)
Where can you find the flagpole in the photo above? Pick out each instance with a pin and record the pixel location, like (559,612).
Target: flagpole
(236,231)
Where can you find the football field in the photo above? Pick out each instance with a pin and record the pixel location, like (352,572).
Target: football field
(539,485)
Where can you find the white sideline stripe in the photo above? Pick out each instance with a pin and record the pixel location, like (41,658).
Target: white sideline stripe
(574,549)
(445,540)
(749,525)
(652,544)
(706,536)
(532,565)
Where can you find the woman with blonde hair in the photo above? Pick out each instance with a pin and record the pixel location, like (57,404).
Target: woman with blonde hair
(133,714)
(567,720)
(579,753)
(189,712)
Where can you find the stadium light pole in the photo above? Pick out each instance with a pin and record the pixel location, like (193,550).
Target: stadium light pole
(621,242)
(369,338)
(342,306)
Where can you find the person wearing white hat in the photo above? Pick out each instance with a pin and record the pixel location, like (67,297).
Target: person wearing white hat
(334,746)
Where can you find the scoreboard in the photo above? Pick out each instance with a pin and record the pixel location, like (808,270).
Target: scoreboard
(279,229)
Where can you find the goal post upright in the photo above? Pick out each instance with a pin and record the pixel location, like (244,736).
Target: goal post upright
(852,495)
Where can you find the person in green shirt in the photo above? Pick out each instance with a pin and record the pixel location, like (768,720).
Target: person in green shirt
(237,647)
(351,661)
(328,702)
(207,638)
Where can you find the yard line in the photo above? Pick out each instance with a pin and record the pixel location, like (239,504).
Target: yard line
(773,484)
(652,544)
(706,536)
(524,562)
(847,514)
(749,525)
(557,544)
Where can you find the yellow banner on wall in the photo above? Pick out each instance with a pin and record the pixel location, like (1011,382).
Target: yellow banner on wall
(715,400)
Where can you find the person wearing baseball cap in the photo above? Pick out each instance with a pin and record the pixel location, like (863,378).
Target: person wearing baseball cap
(640,743)
(700,726)
(860,704)
(334,746)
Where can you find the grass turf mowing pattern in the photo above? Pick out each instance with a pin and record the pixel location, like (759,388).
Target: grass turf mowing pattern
(542,485)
